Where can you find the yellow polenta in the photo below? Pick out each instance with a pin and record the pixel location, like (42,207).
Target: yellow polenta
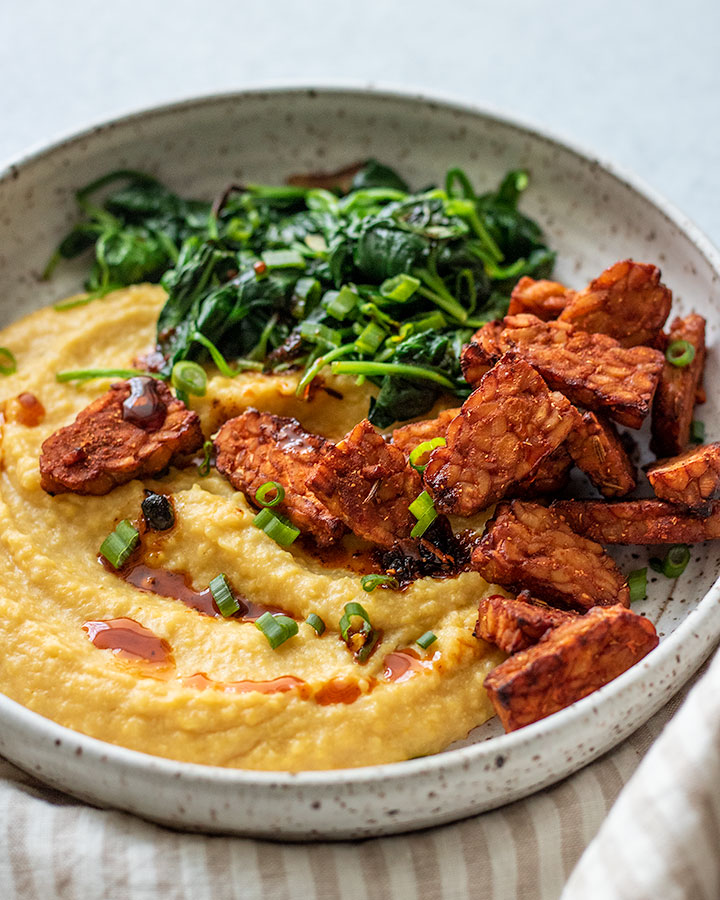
(51,583)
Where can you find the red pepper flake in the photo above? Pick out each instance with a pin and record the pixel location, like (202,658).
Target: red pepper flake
(260,267)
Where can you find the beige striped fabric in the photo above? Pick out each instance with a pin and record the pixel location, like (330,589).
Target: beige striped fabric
(55,847)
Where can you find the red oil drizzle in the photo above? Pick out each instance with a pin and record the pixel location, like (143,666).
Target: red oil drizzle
(129,639)
(338,690)
(28,410)
(275,686)
(401,665)
(144,408)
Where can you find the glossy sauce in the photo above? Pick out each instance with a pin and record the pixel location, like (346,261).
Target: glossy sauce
(129,639)
(360,559)
(144,408)
(276,686)
(401,665)
(338,690)
(28,410)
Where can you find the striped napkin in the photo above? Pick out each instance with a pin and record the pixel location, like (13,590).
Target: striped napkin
(660,841)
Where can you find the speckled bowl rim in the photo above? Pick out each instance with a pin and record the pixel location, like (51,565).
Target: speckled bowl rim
(537,735)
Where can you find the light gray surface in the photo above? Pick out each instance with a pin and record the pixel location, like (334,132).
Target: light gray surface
(639,82)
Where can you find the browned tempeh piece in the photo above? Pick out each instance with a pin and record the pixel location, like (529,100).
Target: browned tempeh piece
(544,299)
(410,436)
(593,370)
(483,351)
(137,428)
(530,547)
(516,623)
(639,521)
(257,447)
(676,394)
(504,430)
(572,661)
(551,476)
(368,484)
(596,448)
(627,301)
(691,479)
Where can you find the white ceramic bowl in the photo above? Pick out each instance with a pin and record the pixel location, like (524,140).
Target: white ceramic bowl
(592,215)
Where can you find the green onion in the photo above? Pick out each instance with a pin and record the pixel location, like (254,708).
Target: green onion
(277,527)
(424,511)
(697,432)
(215,354)
(320,334)
(680,354)
(637,583)
(320,364)
(306,293)
(283,259)
(120,543)
(379,369)
(316,242)
(277,629)
(656,565)
(223,596)
(400,288)
(370,582)
(370,339)
(314,621)
(423,523)
(339,304)
(676,560)
(348,629)
(90,374)
(8,363)
(269,487)
(426,639)
(422,450)
(204,467)
(189,377)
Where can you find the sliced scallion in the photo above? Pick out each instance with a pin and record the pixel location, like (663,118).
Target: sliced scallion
(339,304)
(314,621)
(697,432)
(283,259)
(424,511)
(317,333)
(370,582)
(426,639)
(680,354)
(676,560)
(370,338)
(277,629)
(120,543)
(637,584)
(277,527)
(204,467)
(189,377)
(354,611)
(400,288)
(423,450)
(351,629)
(223,596)
(8,363)
(263,495)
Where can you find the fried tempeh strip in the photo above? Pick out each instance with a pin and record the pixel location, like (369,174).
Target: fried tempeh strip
(574,660)
(544,299)
(551,476)
(676,394)
(639,521)
(104,447)
(368,484)
(691,479)
(592,370)
(256,447)
(627,301)
(516,623)
(504,430)
(530,547)
(483,351)
(596,448)
(410,436)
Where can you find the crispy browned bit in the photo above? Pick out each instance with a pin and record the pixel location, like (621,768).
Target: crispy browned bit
(639,521)
(544,299)
(410,436)
(596,448)
(572,661)
(691,479)
(516,623)
(551,476)
(505,429)
(340,180)
(483,351)
(627,301)
(530,547)
(368,484)
(593,370)
(676,394)
(256,447)
(105,447)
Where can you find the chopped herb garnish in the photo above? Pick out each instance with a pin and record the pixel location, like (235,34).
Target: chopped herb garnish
(370,582)
(680,353)
(277,629)
(189,378)
(422,450)
(676,560)
(314,621)
(357,632)
(426,639)
(424,511)
(637,583)
(697,432)
(204,467)
(270,494)
(280,529)
(120,543)
(8,363)
(223,596)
